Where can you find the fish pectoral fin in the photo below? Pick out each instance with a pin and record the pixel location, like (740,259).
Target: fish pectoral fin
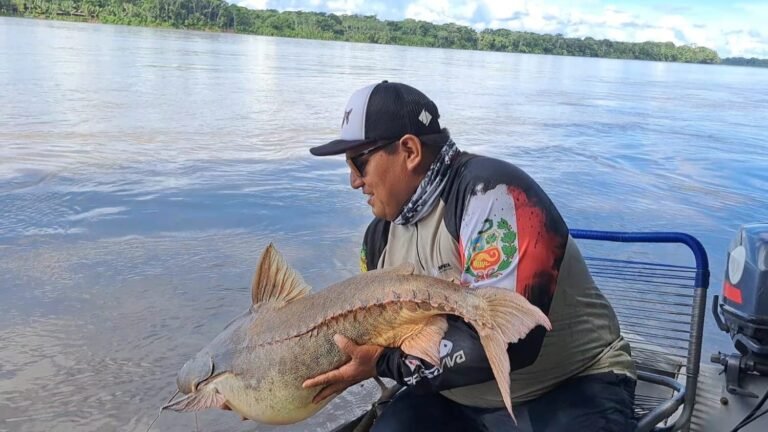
(275,280)
(425,343)
(197,401)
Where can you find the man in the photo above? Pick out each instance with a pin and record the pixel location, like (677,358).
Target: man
(479,222)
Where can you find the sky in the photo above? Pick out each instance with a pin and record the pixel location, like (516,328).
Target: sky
(733,28)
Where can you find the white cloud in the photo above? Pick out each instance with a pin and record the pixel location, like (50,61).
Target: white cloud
(253,4)
(613,17)
(441,11)
(347,7)
(505,9)
(743,44)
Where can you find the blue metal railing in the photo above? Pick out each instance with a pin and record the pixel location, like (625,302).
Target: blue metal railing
(699,253)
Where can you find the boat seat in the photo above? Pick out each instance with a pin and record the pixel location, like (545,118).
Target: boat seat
(657,284)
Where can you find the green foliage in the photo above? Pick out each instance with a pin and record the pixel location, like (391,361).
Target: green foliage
(509,250)
(503,265)
(218,15)
(508,240)
(741,61)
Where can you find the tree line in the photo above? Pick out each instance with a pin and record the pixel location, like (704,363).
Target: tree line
(218,15)
(741,61)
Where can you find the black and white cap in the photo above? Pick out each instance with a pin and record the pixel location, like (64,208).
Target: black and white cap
(382,111)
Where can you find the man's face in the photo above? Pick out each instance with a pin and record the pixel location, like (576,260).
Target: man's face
(384,178)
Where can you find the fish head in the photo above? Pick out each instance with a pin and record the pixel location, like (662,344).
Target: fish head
(201,377)
(236,371)
(231,373)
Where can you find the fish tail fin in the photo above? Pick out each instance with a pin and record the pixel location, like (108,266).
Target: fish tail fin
(507,318)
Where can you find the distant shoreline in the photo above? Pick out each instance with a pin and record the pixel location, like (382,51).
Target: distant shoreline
(220,16)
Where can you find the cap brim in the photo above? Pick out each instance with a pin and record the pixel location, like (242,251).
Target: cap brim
(336,147)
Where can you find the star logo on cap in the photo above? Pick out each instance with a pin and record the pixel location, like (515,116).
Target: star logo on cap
(425,117)
(345,120)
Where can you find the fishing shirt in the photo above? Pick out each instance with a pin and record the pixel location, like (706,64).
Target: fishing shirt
(494,226)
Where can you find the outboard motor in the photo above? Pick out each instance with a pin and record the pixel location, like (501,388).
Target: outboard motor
(742,312)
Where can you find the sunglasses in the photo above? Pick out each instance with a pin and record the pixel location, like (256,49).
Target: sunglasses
(358,162)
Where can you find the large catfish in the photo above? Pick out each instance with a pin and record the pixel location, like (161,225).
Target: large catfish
(256,366)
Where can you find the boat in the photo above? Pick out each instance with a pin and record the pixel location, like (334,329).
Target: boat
(657,282)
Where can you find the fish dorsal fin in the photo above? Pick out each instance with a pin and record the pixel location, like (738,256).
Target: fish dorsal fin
(275,280)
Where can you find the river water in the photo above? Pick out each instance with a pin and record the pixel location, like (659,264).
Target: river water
(142,172)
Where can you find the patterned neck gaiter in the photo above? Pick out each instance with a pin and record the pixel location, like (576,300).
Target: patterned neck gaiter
(431,186)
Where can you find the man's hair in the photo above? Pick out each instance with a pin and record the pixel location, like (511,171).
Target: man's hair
(431,144)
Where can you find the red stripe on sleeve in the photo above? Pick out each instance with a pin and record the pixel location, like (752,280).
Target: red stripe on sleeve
(538,249)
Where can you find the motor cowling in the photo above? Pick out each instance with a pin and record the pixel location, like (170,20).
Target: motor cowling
(744,303)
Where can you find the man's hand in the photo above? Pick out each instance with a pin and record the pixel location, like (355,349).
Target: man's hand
(360,367)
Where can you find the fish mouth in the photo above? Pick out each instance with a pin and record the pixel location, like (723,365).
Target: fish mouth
(203,397)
